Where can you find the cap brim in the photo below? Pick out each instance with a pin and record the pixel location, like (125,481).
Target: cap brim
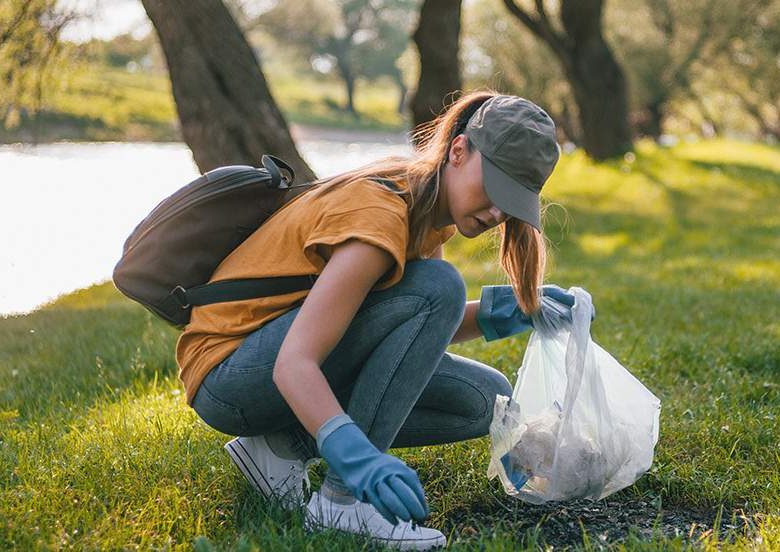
(510,195)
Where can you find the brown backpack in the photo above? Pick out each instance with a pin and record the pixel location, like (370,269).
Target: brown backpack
(170,256)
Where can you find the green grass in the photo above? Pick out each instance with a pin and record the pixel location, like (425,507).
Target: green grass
(98,103)
(93,102)
(679,250)
(308,100)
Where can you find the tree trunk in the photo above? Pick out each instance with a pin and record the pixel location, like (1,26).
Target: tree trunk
(708,127)
(657,115)
(595,77)
(437,39)
(226,110)
(603,114)
(349,85)
(566,124)
(402,91)
(349,81)
(598,82)
(341,51)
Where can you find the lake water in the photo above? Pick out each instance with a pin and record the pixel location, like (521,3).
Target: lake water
(67,208)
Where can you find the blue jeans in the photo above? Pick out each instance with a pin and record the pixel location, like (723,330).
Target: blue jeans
(390,371)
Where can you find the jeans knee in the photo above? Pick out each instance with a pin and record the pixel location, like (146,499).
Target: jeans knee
(498,384)
(495,383)
(442,284)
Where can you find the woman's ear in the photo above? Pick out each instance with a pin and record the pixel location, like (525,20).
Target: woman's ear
(457,151)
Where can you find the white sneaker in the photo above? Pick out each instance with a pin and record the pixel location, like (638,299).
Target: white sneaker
(274,477)
(362,518)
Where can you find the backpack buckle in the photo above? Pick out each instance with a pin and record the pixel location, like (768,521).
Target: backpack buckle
(180,294)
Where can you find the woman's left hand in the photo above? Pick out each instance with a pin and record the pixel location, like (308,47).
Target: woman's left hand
(499,315)
(555,312)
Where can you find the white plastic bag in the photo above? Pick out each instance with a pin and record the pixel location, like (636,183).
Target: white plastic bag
(578,424)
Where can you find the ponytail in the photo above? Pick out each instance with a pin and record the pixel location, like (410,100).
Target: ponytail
(523,257)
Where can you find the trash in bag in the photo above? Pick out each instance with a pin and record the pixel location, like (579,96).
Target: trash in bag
(578,424)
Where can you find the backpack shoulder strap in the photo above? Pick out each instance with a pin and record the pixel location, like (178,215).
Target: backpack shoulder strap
(386,182)
(251,288)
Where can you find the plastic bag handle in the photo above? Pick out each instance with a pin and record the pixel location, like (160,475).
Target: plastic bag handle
(577,347)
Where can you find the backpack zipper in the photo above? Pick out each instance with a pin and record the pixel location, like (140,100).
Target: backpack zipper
(184,202)
(153,216)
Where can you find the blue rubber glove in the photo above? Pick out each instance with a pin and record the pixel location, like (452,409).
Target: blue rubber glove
(499,315)
(383,480)
(516,476)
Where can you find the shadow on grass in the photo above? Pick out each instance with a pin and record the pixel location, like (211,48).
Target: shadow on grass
(762,361)
(612,520)
(748,175)
(510,522)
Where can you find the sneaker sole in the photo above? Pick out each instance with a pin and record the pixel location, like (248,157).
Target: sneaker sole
(312,525)
(397,544)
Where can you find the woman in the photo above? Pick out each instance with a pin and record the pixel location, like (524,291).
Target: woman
(358,364)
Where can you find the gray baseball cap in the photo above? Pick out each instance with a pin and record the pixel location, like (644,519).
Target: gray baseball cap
(517,141)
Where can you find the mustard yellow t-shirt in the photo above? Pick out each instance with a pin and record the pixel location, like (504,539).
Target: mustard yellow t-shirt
(286,245)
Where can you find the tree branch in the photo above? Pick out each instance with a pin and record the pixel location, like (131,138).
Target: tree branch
(543,19)
(707,115)
(541,27)
(679,75)
(6,35)
(663,19)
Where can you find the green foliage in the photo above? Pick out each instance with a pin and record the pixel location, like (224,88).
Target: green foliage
(310,100)
(96,102)
(347,39)
(674,54)
(123,50)
(99,451)
(119,99)
(753,56)
(29,53)
(500,52)
(668,54)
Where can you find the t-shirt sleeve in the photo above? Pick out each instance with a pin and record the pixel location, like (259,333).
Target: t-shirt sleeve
(447,232)
(433,240)
(377,225)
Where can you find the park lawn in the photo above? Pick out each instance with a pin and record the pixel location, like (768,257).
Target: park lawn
(320,101)
(679,250)
(94,102)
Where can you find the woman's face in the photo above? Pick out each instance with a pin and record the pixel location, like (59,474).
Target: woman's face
(469,207)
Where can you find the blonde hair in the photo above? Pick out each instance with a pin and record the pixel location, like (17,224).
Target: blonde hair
(522,248)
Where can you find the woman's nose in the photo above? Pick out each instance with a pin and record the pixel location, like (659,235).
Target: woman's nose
(497,215)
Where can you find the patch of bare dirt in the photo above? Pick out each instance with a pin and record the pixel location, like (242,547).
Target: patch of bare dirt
(606,522)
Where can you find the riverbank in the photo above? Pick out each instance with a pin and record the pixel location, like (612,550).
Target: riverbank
(342,135)
(95,103)
(59,130)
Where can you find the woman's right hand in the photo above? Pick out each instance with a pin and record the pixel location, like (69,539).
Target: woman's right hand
(383,480)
